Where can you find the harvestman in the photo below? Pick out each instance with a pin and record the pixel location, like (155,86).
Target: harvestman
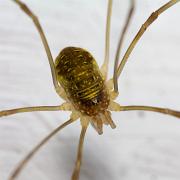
(91,100)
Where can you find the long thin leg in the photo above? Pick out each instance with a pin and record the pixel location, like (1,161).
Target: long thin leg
(116,107)
(22,164)
(75,175)
(121,40)
(104,68)
(151,108)
(64,106)
(143,28)
(44,41)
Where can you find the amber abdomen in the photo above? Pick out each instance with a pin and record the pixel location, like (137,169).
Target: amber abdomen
(79,75)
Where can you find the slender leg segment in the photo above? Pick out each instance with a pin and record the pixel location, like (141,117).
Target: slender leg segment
(120,43)
(75,175)
(64,106)
(104,68)
(22,164)
(150,108)
(44,41)
(116,107)
(143,28)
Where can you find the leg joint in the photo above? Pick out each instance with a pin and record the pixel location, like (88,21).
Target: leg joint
(28,11)
(151,18)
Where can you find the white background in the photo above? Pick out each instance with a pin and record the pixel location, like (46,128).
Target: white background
(144,146)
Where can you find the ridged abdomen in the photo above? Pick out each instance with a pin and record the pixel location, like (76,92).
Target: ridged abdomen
(82,81)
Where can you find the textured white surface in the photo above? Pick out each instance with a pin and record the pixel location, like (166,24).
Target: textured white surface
(144,146)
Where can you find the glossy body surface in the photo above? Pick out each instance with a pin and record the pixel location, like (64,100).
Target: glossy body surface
(80,77)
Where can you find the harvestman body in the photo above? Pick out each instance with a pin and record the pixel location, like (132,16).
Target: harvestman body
(84,87)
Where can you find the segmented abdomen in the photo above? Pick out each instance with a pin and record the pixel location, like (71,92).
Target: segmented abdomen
(82,81)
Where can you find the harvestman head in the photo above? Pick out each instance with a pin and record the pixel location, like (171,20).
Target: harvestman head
(90,101)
